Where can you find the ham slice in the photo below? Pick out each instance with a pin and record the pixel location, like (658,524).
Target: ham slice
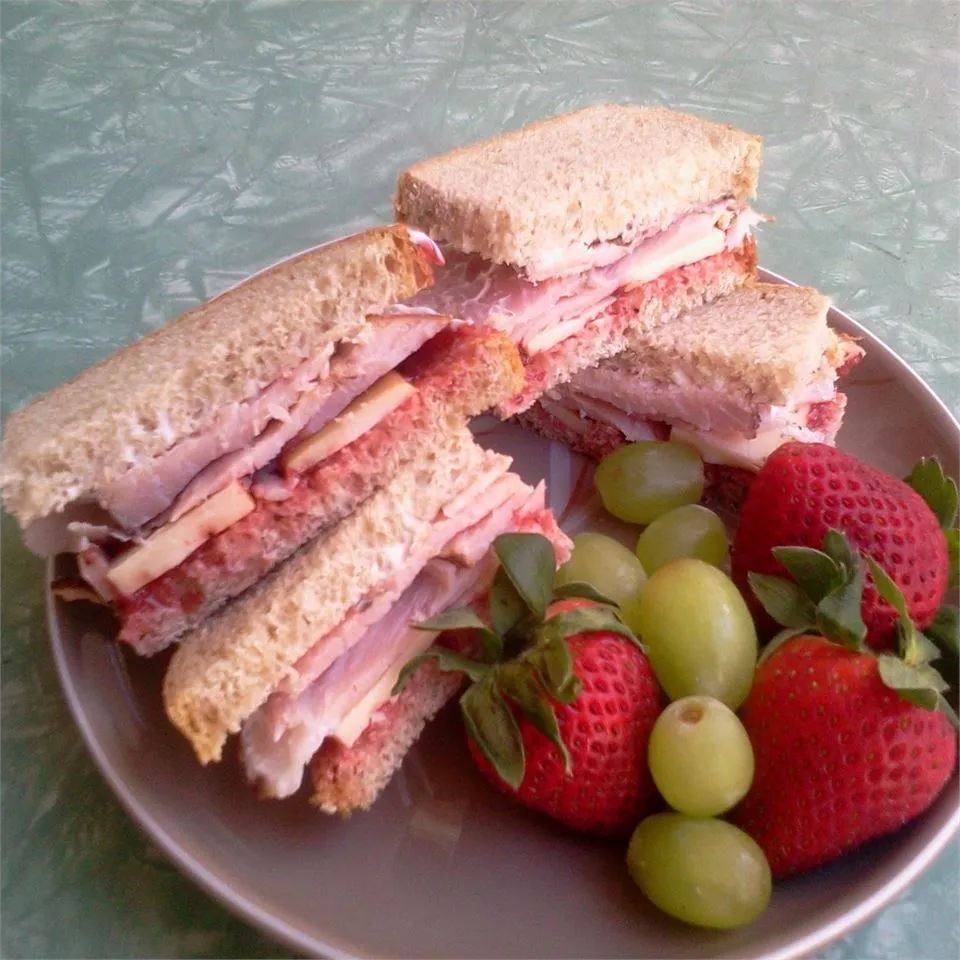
(401,566)
(486,293)
(276,758)
(282,736)
(247,436)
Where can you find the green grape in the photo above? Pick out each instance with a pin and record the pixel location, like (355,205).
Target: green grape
(700,757)
(605,564)
(640,481)
(689,531)
(701,871)
(698,632)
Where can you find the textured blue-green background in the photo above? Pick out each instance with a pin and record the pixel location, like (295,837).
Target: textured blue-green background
(154,152)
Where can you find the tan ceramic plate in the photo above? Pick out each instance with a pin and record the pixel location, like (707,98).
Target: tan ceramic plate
(442,867)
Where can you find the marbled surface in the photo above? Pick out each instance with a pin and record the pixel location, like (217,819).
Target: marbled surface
(154,152)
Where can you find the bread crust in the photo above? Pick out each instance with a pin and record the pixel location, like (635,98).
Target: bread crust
(226,669)
(72,442)
(606,172)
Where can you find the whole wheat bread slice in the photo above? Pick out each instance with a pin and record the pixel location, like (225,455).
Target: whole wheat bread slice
(225,669)
(73,441)
(760,342)
(604,173)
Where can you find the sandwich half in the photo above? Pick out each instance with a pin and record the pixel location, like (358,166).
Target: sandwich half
(734,379)
(185,467)
(302,665)
(569,231)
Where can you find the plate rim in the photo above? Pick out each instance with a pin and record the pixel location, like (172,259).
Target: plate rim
(286,934)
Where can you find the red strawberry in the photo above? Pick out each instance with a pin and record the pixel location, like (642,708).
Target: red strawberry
(606,729)
(805,489)
(563,698)
(841,758)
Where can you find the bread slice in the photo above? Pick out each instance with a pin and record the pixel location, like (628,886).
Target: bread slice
(759,343)
(73,441)
(227,668)
(459,374)
(347,779)
(604,173)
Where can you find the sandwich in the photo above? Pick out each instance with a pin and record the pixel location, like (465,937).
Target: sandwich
(302,666)
(187,466)
(733,379)
(567,233)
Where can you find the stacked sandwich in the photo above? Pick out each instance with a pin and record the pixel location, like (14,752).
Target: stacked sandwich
(281,482)
(299,444)
(568,234)
(614,246)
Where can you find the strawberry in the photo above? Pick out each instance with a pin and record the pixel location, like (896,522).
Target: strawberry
(840,758)
(849,744)
(608,787)
(563,699)
(804,489)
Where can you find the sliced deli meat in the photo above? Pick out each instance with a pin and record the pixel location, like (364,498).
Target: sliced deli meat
(459,372)
(482,292)
(338,691)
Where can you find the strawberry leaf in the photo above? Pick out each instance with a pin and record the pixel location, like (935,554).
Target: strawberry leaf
(944,707)
(838,613)
(837,547)
(460,618)
(953,555)
(554,665)
(518,680)
(944,629)
(492,727)
(939,490)
(888,589)
(446,660)
(815,572)
(915,648)
(902,676)
(529,562)
(465,618)
(507,608)
(783,600)
(585,620)
(777,641)
(925,698)
(579,588)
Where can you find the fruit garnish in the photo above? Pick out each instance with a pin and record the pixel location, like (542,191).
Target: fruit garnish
(688,531)
(606,564)
(825,596)
(561,696)
(937,489)
(701,871)
(639,482)
(804,490)
(697,631)
(700,757)
(840,756)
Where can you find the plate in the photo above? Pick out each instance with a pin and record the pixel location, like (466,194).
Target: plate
(442,866)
